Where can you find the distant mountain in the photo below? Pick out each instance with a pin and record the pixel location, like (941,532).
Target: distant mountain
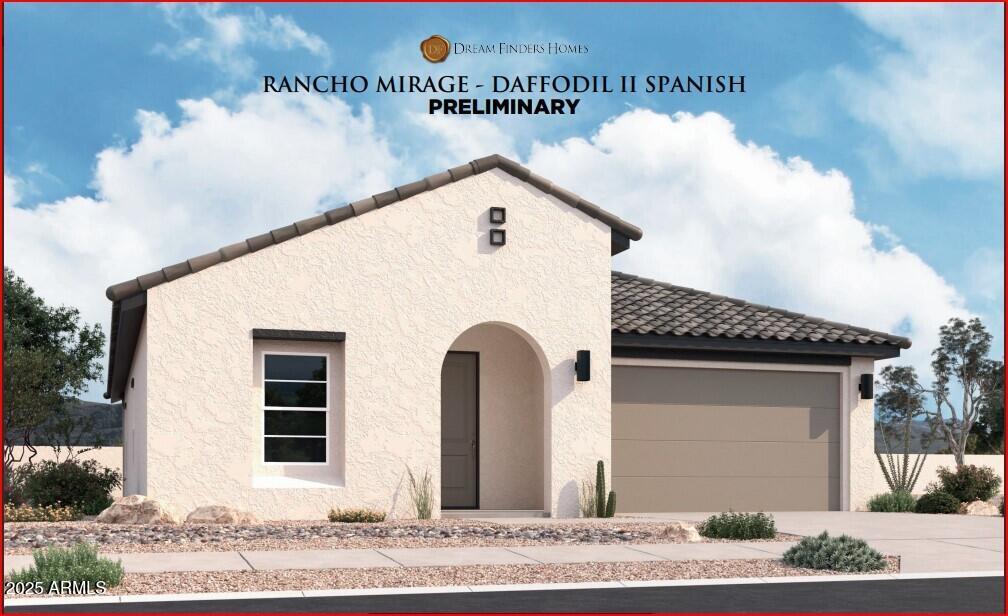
(918,430)
(107,424)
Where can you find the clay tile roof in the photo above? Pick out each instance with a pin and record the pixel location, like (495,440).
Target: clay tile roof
(138,285)
(644,306)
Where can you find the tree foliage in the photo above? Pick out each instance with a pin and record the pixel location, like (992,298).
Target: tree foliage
(988,431)
(961,361)
(49,357)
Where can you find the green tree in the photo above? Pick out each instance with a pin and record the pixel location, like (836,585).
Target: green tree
(960,364)
(988,434)
(965,382)
(49,357)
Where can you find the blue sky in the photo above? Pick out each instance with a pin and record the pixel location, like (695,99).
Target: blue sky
(897,111)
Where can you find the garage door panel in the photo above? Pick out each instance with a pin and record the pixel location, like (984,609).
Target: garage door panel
(731,423)
(739,459)
(708,386)
(651,494)
(696,439)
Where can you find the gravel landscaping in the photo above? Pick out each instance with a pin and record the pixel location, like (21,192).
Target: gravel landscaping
(23,537)
(236,581)
(458,576)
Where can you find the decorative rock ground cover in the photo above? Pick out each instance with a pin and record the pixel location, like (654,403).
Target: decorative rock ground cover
(236,581)
(21,538)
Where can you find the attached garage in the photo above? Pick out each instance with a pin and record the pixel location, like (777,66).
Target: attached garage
(719,404)
(703,439)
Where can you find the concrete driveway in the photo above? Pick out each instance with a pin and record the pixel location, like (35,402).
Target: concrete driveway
(925,543)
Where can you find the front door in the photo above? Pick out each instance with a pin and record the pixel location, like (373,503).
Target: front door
(460,431)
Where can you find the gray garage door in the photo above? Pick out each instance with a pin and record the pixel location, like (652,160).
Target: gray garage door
(688,439)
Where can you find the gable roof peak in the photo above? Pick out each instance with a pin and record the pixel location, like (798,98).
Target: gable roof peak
(140,284)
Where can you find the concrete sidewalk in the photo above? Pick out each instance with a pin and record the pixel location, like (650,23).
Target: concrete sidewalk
(430,557)
(917,555)
(925,542)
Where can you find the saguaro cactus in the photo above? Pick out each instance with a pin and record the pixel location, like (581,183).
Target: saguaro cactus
(610,507)
(600,491)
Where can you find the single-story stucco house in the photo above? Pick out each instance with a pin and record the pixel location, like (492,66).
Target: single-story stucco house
(470,325)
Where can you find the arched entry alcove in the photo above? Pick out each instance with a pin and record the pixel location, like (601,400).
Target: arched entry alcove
(494,422)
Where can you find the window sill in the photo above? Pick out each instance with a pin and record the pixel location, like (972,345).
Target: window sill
(275,482)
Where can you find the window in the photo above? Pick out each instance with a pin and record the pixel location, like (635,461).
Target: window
(295,408)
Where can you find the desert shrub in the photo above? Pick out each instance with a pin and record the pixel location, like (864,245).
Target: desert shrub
(422,494)
(48,513)
(733,525)
(841,553)
(84,485)
(893,502)
(356,515)
(80,564)
(586,499)
(1001,506)
(14,477)
(969,482)
(937,502)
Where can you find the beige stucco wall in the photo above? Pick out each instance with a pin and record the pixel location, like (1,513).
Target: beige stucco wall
(403,282)
(511,418)
(860,441)
(109,457)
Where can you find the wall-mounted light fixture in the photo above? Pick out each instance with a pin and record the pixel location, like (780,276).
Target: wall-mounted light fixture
(497,237)
(498,215)
(867,387)
(582,367)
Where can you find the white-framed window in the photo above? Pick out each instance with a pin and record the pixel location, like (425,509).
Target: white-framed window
(295,408)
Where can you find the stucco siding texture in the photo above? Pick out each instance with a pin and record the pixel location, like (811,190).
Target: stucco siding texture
(403,282)
(691,439)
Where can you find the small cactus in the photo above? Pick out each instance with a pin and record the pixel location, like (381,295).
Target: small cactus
(600,491)
(610,508)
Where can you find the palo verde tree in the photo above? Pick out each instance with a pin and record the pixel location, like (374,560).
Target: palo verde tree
(49,356)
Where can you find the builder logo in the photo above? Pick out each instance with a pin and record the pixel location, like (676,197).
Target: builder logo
(435,48)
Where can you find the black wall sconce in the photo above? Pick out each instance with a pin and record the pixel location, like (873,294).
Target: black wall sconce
(867,387)
(498,237)
(582,367)
(498,215)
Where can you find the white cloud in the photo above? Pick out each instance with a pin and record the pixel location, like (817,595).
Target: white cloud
(464,138)
(225,39)
(735,218)
(718,214)
(985,275)
(937,91)
(216,177)
(11,190)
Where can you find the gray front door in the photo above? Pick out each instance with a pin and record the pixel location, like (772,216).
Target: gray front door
(460,431)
